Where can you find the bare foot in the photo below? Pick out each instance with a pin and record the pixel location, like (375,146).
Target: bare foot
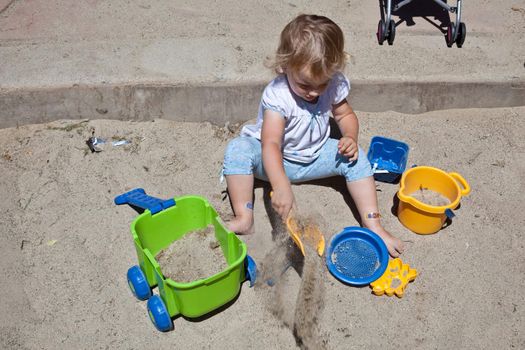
(241,226)
(394,245)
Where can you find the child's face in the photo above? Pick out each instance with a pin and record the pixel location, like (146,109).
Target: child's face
(305,86)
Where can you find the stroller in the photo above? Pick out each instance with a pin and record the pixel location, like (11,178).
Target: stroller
(454,32)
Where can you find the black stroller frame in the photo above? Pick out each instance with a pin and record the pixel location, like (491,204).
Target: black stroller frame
(386,29)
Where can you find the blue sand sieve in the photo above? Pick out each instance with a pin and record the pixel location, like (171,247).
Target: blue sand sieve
(357,256)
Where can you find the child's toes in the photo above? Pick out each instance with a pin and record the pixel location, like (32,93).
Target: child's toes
(395,247)
(400,247)
(393,252)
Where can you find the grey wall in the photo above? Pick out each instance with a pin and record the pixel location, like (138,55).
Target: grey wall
(221,103)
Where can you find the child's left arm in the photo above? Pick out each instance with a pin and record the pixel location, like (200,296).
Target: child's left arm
(349,126)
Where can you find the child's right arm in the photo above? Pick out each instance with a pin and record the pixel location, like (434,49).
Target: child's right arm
(272,157)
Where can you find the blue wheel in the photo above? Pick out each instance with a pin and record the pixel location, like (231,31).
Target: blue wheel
(138,284)
(158,314)
(251,270)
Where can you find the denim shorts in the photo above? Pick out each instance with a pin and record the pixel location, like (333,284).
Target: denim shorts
(243,156)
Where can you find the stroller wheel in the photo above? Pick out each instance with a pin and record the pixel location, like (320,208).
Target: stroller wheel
(462,33)
(391,32)
(381,32)
(449,37)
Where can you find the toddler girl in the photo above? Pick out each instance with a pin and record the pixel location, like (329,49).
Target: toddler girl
(290,140)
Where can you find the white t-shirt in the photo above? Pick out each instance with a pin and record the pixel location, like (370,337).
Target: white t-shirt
(307,124)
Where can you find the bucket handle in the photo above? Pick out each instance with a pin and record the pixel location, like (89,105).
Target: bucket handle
(462,182)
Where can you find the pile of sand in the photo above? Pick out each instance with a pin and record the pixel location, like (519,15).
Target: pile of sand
(196,255)
(436,199)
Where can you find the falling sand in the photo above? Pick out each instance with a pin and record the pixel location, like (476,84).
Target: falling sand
(310,302)
(310,298)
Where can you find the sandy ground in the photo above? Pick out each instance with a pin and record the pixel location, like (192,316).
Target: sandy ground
(55,43)
(66,247)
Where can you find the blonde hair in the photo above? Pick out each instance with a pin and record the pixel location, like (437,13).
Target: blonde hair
(311,41)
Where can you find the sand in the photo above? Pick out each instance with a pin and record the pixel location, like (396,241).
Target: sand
(301,318)
(433,198)
(67,247)
(310,303)
(196,255)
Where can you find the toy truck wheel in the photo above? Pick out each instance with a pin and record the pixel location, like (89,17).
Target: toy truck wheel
(251,270)
(158,314)
(138,284)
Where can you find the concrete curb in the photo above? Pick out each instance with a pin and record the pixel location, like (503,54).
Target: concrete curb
(220,103)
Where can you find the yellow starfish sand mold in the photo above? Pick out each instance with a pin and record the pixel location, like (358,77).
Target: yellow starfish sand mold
(395,279)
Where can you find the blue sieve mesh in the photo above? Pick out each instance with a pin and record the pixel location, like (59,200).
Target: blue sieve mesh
(355,258)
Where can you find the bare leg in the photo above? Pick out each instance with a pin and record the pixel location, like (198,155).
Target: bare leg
(240,189)
(363,193)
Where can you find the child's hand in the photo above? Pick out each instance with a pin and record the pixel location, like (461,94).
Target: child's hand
(282,201)
(348,147)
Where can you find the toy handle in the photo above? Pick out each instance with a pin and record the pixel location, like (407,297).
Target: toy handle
(140,201)
(462,182)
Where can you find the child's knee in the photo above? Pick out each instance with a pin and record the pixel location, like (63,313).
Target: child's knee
(358,169)
(240,156)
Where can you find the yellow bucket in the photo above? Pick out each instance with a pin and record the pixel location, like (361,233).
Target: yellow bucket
(423,218)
